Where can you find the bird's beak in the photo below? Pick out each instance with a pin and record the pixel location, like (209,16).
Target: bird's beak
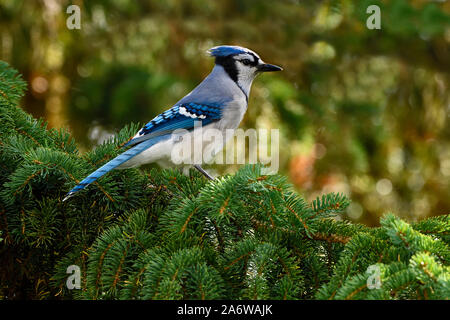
(265,67)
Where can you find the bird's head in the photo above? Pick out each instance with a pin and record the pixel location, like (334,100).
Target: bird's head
(241,64)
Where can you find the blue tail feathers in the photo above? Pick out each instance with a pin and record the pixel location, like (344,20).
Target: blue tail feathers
(114,163)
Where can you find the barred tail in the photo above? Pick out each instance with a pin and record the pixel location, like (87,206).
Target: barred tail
(114,163)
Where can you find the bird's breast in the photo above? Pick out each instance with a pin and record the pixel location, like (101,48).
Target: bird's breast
(233,114)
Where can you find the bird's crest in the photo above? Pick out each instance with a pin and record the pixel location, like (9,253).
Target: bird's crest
(225,51)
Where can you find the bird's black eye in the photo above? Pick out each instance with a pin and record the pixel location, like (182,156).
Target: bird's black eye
(246,61)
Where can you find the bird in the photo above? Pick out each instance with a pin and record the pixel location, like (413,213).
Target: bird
(219,102)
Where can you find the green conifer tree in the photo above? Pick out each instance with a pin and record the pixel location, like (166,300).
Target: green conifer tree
(158,234)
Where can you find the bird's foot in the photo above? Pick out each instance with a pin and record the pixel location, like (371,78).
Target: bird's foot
(206,174)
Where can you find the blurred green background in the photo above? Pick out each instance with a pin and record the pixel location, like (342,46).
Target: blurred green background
(364,112)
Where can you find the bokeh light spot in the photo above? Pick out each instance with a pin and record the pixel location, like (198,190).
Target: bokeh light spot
(384,187)
(39,84)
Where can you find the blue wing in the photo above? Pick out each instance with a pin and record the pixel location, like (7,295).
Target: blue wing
(182,116)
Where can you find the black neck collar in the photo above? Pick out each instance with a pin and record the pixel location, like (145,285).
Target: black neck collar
(229,65)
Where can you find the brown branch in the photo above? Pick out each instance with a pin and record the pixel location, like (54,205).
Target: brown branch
(225,204)
(187,220)
(355,292)
(103,190)
(119,269)
(27,135)
(237,259)
(26,181)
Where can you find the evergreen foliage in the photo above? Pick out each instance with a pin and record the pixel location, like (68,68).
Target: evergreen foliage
(139,234)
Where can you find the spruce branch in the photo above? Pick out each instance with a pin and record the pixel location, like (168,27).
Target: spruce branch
(159,234)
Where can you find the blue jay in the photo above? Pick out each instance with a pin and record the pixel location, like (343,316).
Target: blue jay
(218,102)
